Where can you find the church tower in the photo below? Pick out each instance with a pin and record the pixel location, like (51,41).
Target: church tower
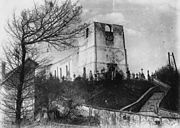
(102,46)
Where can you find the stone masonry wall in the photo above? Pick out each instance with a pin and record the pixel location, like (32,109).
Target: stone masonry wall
(121,119)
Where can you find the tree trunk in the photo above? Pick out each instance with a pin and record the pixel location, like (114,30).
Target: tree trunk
(20,86)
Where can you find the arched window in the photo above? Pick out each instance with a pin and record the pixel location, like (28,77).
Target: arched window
(66,70)
(109,34)
(107,28)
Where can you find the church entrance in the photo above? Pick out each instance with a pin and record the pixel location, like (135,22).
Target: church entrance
(111,70)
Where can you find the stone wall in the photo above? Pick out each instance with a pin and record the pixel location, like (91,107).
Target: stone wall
(57,125)
(118,119)
(122,119)
(167,113)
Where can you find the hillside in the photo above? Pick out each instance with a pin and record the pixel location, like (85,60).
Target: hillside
(118,95)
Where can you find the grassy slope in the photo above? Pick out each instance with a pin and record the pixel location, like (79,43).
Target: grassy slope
(118,95)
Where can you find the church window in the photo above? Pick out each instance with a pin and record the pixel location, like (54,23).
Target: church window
(55,73)
(84,72)
(87,32)
(66,70)
(60,73)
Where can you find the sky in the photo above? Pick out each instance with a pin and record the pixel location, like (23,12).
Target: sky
(151,26)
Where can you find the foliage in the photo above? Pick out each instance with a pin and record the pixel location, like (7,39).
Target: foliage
(170,76)
(44,88)
(51,91)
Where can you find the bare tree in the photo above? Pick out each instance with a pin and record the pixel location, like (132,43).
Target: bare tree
(57,25)
(12,80)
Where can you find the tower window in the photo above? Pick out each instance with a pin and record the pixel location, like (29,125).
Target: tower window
(109,34)
(108,28)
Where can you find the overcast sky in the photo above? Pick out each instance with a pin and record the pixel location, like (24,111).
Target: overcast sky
(151,26)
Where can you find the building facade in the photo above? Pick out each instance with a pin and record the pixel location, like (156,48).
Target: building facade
(101,46)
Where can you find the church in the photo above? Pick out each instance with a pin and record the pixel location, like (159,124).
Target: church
(101,47)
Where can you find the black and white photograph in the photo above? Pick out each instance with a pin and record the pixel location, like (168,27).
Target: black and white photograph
(89,64)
